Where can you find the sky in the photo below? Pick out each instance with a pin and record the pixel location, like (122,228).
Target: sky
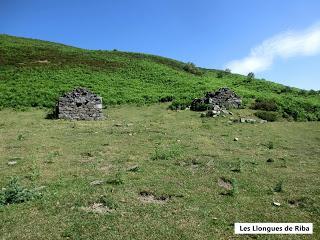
(277,40)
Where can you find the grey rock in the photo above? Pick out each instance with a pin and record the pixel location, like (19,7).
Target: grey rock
(250,120)
(12,163)
(96,182)
(226,112)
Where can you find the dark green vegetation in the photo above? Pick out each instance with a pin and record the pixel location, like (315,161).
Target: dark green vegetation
(13,192)
(35,73)
(150,173)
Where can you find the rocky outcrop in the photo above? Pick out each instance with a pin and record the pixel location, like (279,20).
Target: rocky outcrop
(80,104)
(224,98)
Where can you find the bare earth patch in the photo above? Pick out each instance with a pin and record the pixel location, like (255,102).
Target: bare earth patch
(148,197)
(97,208)
(226,184)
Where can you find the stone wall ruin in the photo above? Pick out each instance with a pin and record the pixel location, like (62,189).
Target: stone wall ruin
(224,98)
(80,104)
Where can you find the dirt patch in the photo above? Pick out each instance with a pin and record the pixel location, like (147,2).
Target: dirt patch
(106,168)
(225,183)
(149,197)
(99,208)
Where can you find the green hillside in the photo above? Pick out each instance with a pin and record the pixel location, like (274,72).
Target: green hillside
(35,73)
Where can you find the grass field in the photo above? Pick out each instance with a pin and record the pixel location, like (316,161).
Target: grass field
(164,175)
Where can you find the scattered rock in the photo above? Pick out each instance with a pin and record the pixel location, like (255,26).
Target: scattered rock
(250,120)
(277,204)
(242,120)
(39,188)
(226,112)
(263,121)
(118,125)
(42,61)
(129,124)
(215,112)
(10,163)
(96,182)
(236,139)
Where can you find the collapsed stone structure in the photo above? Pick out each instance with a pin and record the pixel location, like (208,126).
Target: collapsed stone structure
(224,98)
(80,104)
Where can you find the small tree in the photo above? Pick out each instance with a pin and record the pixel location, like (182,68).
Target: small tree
(228,70)
(250,75)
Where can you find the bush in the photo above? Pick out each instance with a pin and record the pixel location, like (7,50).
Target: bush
(191,68)
(278,187)
(266,105)
(166,99)
(13,192)
(199,105)
(220,74)
(265,115)
(179,105)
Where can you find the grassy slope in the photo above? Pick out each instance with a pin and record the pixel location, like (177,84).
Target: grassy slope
(121,77)
(66,156)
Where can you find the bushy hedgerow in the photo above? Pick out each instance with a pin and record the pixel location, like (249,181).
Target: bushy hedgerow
(179,105)
(265,104)
(267,115)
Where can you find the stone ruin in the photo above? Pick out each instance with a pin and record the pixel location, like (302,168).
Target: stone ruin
(224,98)
(80,104)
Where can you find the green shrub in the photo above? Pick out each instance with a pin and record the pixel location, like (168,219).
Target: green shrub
(265,104)
(265,115)
(278,187)
(166,99)
(13,192)
(179,105)
(220,74)
(191,68)
(270,145)
(117,180)
(198,105)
